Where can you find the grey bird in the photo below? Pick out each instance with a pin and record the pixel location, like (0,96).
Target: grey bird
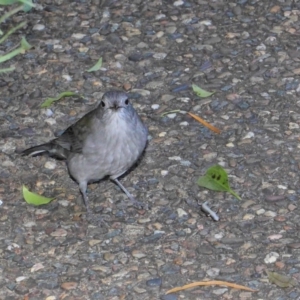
(107,141)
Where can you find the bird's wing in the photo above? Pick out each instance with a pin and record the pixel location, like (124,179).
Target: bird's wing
(74,136)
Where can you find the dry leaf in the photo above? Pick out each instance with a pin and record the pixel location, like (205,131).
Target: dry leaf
(210,283)
(283,281)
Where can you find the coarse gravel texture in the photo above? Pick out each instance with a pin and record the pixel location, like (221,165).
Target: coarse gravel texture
(246,51)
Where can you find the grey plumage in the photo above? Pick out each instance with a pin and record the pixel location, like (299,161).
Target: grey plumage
(105,142)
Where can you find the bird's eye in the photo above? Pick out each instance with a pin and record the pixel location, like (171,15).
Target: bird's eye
(102,103)
(126,101)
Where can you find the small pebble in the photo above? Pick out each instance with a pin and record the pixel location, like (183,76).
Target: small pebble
(271,257)
(174,158)
(184,123)
(178,3)
(213,272)
(154,282)
(50,165)
(78,36)
(171,116)
(38,27)
(181,213)
(155,106)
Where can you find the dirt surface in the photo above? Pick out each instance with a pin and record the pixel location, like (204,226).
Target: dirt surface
(248,52)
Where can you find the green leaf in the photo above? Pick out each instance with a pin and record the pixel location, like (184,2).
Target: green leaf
(27,5)
(8,2)
(35,199)
(11,31)
(6,70)
(97,66)
(24,46)
(216,179)
(10,12)
(281,280)
(49,101)
(200,92)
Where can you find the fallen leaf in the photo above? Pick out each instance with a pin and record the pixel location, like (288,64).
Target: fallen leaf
(33,198)
(200,92)
(283,281)
(49,101)
(97,66)
(210,283)
(216,179)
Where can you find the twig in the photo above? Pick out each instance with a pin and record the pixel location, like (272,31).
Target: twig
(207,209)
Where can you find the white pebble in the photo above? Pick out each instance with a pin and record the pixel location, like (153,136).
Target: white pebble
(64,203)
(260,211)
(174,158)
(159,56)
(29,224)
(213,272)
(178,3)
(249,135)
(164,172)
(293,125)
(219,235)
(78,36)
(270,213)
(210,156)
(160,16)
(184,123)
(181,212)
(51,165)
(49,112)
(155,106)
(271,257)
(282,187)
(171,116)
(50,121)
(41,211)
(230,145)
(21,278)
(67,77)
(206,22)
(185,163)
(162,134)
(184,99)
(38,27)
(248,217)
(225,117)
(275,237)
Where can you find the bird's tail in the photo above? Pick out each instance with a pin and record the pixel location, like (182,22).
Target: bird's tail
(50,148)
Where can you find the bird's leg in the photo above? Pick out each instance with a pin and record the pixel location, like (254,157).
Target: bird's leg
(136,203)
(83,188)
(92,218)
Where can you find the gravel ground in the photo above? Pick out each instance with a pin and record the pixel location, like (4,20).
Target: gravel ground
(246,51)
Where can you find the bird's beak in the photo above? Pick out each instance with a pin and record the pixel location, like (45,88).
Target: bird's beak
(115,106)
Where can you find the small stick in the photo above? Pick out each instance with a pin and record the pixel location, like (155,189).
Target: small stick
(206,124)
(207,209)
